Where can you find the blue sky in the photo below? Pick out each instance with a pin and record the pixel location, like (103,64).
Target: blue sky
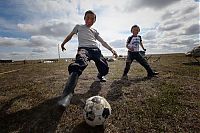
(34,29)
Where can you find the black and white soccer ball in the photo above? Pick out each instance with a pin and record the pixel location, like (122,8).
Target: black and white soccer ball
(96,111)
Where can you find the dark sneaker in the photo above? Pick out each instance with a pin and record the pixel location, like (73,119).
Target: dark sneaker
(153,74)
(100,79)
(65,101)
(124,77)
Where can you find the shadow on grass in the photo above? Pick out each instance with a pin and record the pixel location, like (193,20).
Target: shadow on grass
(41,118)
(192,63)
(116,87)
(84,128)
(44,117)
(79,99)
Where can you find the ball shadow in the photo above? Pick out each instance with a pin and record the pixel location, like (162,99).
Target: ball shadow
(83,127)
(79,99)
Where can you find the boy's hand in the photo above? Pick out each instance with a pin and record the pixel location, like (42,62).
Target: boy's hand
(131,49)
(62,47)
(114,53)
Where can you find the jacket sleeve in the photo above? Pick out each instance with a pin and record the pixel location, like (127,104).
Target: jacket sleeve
(129,39)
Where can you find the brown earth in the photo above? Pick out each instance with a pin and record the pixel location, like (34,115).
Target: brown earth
(169,102)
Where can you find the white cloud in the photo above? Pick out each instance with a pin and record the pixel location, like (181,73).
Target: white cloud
(118,43)
(166,26)
(169,27)
(50,9)
(40,50)
(150,35)
(8,42)
(154,4)
(55,29)
(193,29)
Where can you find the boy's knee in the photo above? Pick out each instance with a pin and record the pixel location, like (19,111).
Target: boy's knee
(104,71)
(128,63)
(74,67)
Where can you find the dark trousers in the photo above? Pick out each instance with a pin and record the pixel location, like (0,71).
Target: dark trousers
(84,55)
(139,58)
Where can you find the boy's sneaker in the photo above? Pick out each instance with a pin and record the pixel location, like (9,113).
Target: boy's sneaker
(124,77)
(152,75)
(100,79)
(65,101)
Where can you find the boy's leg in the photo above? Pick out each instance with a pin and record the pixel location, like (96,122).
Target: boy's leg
(71,84)
(102,67)
(129,61)
(69,89)
(126,70)
(144,63)
(101,64)
(75,70)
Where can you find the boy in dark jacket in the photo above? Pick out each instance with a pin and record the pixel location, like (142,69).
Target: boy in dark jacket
(132,45)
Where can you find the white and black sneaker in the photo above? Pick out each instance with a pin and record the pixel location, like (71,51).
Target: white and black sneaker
(152,74)
(100,79)
(65,101)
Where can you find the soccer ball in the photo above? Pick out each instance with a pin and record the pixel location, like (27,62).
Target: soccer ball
(96,111)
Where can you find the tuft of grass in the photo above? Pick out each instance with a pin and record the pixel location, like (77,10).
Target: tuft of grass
(165,111)
(167,102)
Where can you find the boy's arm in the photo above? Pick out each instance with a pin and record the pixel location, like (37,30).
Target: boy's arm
(106,45)
(128,42)
(66,40)
(127,45)
(141,44)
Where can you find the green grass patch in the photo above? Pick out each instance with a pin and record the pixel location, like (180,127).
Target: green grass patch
(168,97)
(165,108)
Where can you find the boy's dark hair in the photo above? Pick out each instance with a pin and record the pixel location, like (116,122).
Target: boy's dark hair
(90,12)
(135,26)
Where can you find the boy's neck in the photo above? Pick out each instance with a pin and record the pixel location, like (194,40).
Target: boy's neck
(88,26)
(135,34)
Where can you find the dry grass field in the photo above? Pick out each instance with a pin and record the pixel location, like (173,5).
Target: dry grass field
(169,102)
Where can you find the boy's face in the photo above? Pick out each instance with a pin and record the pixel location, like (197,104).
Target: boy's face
(135,30)
(89,19)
